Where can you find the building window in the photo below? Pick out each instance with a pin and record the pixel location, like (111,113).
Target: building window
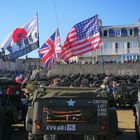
(132,44)
(105,33)
(123,32)
(118,32)
(136,31)
(122,48)
(105,48)
(130,32)
(128,47)
(111,32)
(116,48)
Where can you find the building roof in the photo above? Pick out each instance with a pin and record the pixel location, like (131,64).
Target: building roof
(120,26)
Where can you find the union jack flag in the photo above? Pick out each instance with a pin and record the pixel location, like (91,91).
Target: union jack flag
(50,50)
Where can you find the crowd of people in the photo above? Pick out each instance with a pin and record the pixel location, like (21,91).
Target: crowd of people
(99,62)
(103,81)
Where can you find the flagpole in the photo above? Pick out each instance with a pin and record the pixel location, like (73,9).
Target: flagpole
(102,58)
(56,14)
(91,56)
(57,22)
(38,38)
(38,28)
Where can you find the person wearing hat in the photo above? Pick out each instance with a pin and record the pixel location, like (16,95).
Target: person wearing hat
(115,89)
(55,83)
(106,84)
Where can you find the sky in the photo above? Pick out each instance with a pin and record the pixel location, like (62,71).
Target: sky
(64,14)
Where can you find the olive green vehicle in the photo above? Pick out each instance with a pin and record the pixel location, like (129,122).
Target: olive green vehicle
(71,114)
(136,111)
(10,106)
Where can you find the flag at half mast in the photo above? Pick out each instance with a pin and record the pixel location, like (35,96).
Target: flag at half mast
(50,50)
(83,37)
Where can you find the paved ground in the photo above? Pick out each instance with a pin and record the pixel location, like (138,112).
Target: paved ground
(19,133)
(126,125)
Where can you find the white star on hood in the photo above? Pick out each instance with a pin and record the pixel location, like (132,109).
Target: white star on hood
(71,102)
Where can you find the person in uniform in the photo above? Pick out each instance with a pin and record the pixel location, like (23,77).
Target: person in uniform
(115,89)
(55,83)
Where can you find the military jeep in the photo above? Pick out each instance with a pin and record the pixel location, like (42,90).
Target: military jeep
(127,94)
(136,110)
(70,113)
(10,106)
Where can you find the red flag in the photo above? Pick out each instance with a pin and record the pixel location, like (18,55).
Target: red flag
(83,37)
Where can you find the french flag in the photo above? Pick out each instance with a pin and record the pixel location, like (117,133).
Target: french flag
(19,78)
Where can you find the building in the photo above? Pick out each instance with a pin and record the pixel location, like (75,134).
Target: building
(121,43)
(21,64)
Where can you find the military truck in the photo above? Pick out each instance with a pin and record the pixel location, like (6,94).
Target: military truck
(10,106)
(70,114)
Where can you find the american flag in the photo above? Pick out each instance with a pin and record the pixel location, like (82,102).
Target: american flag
(50,50)
(83,37)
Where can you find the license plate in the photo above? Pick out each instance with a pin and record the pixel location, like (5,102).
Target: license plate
(68,127)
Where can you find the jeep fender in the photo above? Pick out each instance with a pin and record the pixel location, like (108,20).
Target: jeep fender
(137,113)
(29,119)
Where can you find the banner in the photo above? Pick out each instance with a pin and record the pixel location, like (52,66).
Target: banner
(21,41)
